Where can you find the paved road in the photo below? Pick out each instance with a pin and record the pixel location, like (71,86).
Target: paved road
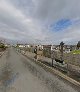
(19,74)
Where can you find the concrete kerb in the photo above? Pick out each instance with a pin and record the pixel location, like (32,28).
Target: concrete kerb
(56,72)
(51,69)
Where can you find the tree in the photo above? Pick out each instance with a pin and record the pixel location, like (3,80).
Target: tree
(2,46)
(78,44)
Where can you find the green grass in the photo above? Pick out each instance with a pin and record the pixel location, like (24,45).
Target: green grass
(76,52)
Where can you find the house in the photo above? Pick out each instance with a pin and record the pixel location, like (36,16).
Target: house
(20,45)
(55,47)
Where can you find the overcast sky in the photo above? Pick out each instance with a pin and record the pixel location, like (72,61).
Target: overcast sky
(40,21)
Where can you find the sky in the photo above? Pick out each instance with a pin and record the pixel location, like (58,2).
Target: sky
(40,21)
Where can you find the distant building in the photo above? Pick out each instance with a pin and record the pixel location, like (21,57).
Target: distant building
(27,45)
(21,45)
(68,48)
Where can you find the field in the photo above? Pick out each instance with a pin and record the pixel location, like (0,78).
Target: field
(76,52)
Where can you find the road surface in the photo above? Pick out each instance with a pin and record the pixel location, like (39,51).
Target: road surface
(19,74)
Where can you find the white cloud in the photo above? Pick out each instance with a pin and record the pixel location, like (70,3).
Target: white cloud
(15,20)
(27,20)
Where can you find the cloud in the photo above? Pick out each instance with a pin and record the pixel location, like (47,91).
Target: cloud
(55,9)
(17,24)
(30,20)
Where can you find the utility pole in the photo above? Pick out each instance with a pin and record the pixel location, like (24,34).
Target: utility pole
(61,50)
(53,56)
(35,51)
